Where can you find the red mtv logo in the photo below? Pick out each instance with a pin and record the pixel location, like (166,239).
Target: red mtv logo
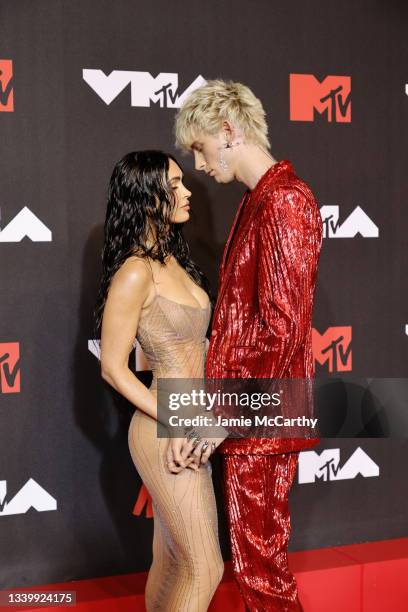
(331,97)
(333,347)
(6,86)
(10,367)
(143,499)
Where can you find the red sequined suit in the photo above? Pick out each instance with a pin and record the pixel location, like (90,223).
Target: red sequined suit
(262,328)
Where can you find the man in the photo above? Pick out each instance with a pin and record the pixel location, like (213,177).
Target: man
(261,322)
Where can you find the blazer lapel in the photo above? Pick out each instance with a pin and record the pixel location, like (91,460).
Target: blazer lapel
(242,229)
(228,262)
(231,235)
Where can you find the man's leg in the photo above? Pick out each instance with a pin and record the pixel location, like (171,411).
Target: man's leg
(256,490)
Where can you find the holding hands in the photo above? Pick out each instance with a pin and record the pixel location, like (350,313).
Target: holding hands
(192,451)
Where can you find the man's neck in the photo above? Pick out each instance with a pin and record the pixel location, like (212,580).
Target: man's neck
(253,164)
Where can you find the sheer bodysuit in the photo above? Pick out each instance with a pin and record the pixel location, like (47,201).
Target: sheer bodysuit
(187,562)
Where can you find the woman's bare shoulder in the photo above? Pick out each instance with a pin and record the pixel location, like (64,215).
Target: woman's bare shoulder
(134,274)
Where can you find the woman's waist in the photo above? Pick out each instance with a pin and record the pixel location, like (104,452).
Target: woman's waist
(187,375)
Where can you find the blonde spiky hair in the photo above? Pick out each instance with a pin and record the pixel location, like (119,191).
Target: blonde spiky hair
(208,106)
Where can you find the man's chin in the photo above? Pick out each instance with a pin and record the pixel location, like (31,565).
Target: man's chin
(222,179)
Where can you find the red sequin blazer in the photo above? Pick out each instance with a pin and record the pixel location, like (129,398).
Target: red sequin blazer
(262,322)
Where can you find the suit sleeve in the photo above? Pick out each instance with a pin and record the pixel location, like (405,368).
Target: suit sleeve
(289,248)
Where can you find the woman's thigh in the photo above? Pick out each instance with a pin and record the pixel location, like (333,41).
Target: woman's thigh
(184,502)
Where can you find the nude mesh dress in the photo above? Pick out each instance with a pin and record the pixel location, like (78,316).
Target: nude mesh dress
(187,562)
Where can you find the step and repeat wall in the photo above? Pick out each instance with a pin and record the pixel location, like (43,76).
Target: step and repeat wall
(82,83)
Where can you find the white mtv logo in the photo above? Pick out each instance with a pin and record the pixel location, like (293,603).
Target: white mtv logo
(358,222)
(25,223)
(325,466)
(143,87)
(31,495)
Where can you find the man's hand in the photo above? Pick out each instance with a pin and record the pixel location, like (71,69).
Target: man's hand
(178,455)
(203,451)
(183,452)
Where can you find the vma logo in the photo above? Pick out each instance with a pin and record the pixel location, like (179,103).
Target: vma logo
(143,500)
(6,86)
(161,90)
(333,347)
(358,222)
(31,495)
(326,466)
(9,367)
(141,363)
(331,98)
(25,223)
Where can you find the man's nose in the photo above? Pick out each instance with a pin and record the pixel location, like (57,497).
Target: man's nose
(199,162)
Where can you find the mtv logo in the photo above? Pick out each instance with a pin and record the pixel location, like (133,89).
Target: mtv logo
(31,495)
(325,466)
(358,222)
(25,223)
(9,367)
(333,347)
(6,86)
(162,89)
(331,97)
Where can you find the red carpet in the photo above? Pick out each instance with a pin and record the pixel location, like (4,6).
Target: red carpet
(371,577)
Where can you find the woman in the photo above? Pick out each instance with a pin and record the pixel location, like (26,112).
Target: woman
(152,290)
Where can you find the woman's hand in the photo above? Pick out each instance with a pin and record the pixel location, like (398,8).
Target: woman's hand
(185,452)
(178,455)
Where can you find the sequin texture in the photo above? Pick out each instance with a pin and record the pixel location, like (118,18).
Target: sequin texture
(262,324)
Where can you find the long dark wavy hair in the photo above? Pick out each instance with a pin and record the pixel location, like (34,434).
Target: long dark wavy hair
(139,197)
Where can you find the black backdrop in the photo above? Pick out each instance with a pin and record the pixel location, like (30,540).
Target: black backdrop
(60,424)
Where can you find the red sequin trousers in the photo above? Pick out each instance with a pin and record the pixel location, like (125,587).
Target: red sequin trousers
(256,490)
